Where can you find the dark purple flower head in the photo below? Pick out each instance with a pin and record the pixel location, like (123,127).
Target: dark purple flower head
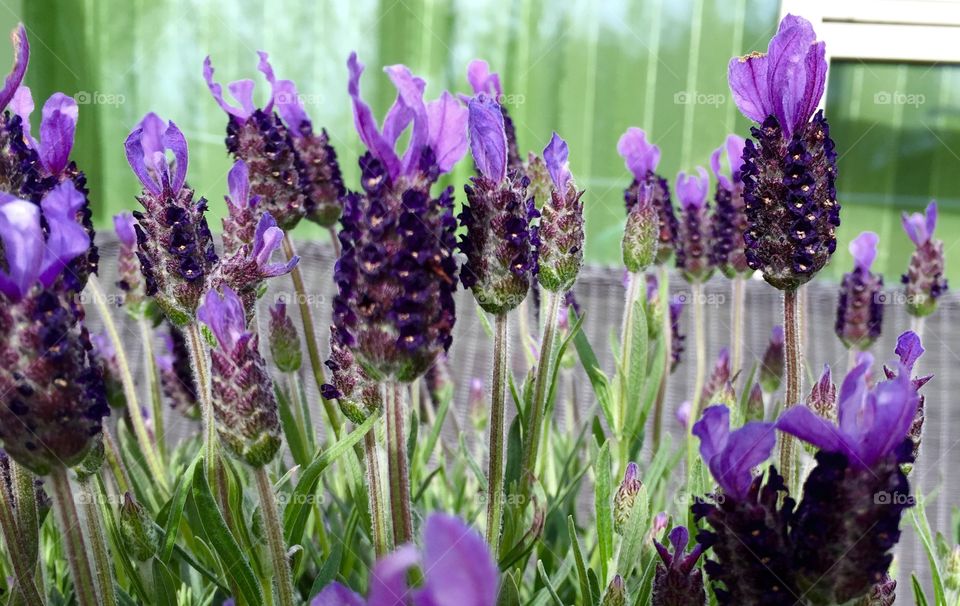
(786,82)
(641,159)
(676,338)
(772,365)
(440,125)
(175,246)
(677,579)
(244,403)
(560,233)
(729,215)
(498,240)
(860,305)
(258,136)
(128,266)
(456,564)
(693,236)
(483,81)
(872,422)
(21,58)
(924,280)
(732,455)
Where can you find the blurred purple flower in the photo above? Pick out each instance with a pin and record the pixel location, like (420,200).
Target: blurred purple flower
(693,236)
(860,304)
(732,455)
(924,280)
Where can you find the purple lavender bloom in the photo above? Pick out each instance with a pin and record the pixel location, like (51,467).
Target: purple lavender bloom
(626,497)
(240,223)
(772,365)
(176,372)
(729,216)
(57,128)
(678,581)
(457,566)
(909,350)
(175,246)
(823,396)
(676,337)
(244,403)
(641,159)
(104,354)
(357,395)
(55,398)
(128,266)
(693,237)
(258,137)
(719,389)
(483,81)
(498,242)
(560,233)
(641,232)
(790,164)
(924,281)
(859,306)
(732,455)
(397,272)
(21,58)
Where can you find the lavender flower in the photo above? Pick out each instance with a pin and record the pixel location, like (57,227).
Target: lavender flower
(258,137)
(357,395)
(626,496)
(241,221)
(729,216)
(397,272)
(284,340)
(560,233)
(175,246)
(176,373)
(128,266)
(244,403)
(883,593)
(823,396)
(457,567)
(924,281)
(640,234)
(772,365)
(731,455)
(497,242)
(790,163)
(719,389)
(55,396)
(616,594)
(755,410)
(909,350)
(678,581)
(859,308)
(676,337)
(487,83)
(641,159)
(105,356)
(693,236)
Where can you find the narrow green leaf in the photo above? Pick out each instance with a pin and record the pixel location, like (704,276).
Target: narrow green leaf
(328,571)
(175,512)
(585,594)
(919,516)
(509,594)
(235,564)
(603,505)
(291,431)
(919,597)
(165,585)
(637,370)
(548,584)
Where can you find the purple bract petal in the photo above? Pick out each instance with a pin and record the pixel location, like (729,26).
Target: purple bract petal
(640,156)
(241,90)
(713,429)
(692,189)
(458,567)
(447,130)
(366,125)
(388,583)
(909,349)
(864,249)
(153,128)
(66,239)
(57,129)
(410,96)
(336,594)
(22,246)
(22,105)
(776,335)
(482,80)
(733,148)
(225,317)
(803,423)
(266,240)
(556,156)
(123,225)
(488,141)
(21,57)
(238,183)
(731,456)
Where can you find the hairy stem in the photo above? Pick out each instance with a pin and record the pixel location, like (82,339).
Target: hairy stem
(278,549)
(129,387)
(102,570)
(738,287)
(495,461)
(73,543)
(201,374)
(791,330)
(397,470)
(700,343)
(18,551)
(378,518)
(115,461)
(666,333)
(310,334)
(531,443)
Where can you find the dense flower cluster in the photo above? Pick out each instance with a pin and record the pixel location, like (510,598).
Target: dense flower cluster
(729,216)
(560,233)
(641,159)
(924,281)
(860,304)
(693,235)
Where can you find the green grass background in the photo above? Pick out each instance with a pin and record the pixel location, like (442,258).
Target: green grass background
(587,69)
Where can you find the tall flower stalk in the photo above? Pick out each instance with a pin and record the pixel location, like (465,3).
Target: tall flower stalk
(789,175)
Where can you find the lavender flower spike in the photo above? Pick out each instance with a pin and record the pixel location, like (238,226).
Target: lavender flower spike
(560,234)
(732,455)
(729,216)
(641,159)
(498,242)
(790,164)
(859,306)
(482,80)
(128,266)
(693,236)
(678,581)
(55,398)
(240,223)
(456,564)
(175,246)
(244,403)
(924,281)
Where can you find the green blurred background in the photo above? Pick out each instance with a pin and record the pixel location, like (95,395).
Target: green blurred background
(584,68)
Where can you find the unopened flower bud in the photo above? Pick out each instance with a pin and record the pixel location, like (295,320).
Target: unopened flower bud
(678,581)
(755,407)
(640,235)
(859,308)
(626,496)
(924,281)
(771,368)
(284,340)
(560,233)
(616,594)
(137,530)
(951,571)
(91,464)
(883,593)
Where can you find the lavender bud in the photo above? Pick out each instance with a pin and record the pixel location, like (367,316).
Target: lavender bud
(105,356)
(924,281)
(240,222)
(560,233)
(540,187)
(137,530)
(772,365)
(755,408)
(640,235)
(93,461)
(175,246)
(244,403)
(883,593)
(641,159)
(440,383)
(351,386)
(693,236)
(616,594)
(823,396)
(128,266)
(729,216)
(678,581)
(626,496)
(284,340)
(859,308)
(718,389)
(951,570)
(482,80)
(477,404)
(176,373)
(325,202)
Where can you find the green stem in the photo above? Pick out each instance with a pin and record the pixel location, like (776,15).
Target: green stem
(25,587)
(792,395)
(378,518)
(666,333)
(495,464)
(201,375)
(153,381)
(738,293)
(531,443)
(24,488)
(278,549)
(102,570)
(310,334)
(700,339)
(129,387)
(300,412)
(335,241)
(69,522)
(115,461)
(397,470)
